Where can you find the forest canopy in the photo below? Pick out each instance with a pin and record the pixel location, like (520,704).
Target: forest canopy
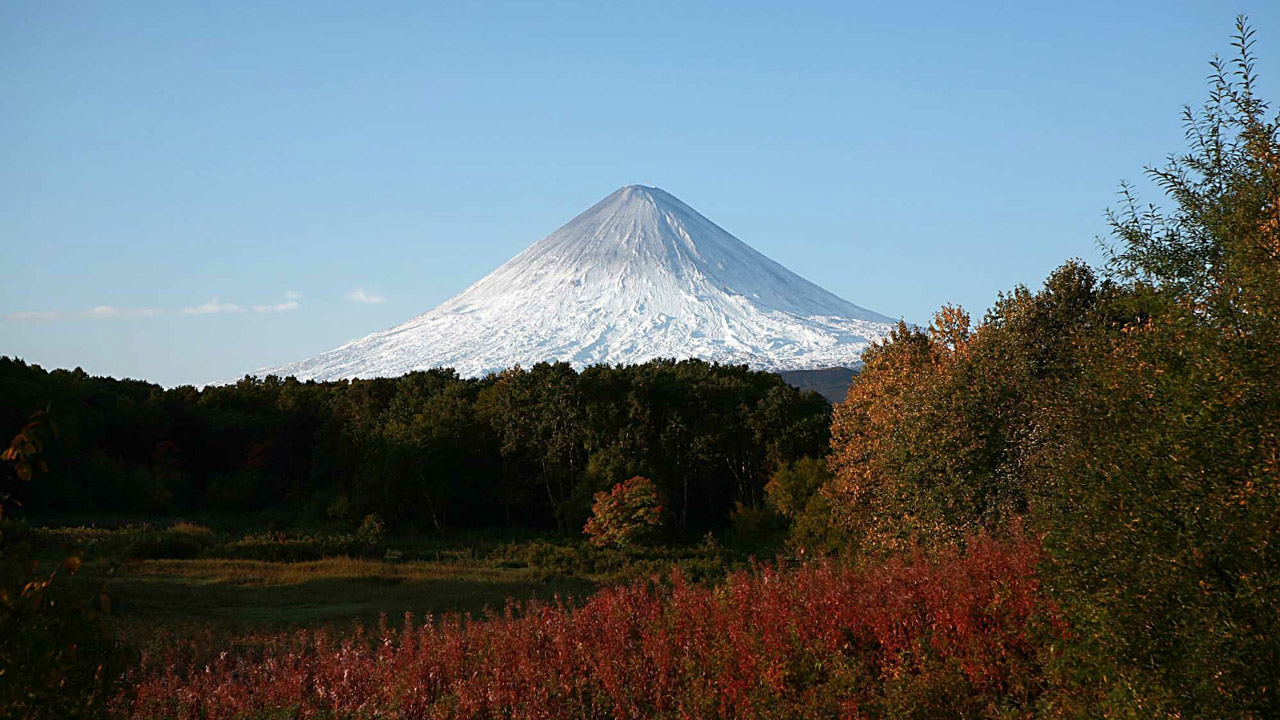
(429,450)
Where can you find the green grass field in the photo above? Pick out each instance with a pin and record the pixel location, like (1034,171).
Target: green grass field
(168,578)
(252,594)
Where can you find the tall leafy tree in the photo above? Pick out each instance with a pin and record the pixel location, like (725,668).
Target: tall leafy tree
(1159,466)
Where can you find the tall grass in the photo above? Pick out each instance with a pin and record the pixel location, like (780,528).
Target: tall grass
(957,636)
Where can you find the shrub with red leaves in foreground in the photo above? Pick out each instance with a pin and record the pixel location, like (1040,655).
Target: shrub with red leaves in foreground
(958,636)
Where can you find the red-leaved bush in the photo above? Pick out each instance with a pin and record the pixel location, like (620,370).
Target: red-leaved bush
(959,636)
(627,514)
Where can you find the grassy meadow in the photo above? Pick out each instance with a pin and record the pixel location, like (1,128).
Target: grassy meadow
(255,594)
(179,578)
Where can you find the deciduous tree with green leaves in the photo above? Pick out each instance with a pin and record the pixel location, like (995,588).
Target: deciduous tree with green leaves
(1158,467)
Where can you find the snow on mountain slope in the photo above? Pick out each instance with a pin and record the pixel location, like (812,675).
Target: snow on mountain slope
(638,276)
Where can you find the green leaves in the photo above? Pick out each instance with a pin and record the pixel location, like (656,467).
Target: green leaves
(1133,423)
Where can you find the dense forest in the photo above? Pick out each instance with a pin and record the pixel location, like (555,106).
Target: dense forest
(427,451)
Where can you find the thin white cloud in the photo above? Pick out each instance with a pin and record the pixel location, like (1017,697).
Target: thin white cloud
(285,306)
(291,299)
(360,296)
(110,311)
(34,317)
(101,311)
(211,307)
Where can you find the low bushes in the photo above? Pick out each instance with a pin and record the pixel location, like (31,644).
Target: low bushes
(281,547)
(958,636)
(57,659)
(706,560)
(184,540)
(180,541)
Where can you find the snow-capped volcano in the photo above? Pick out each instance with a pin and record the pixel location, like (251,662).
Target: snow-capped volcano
(638,276)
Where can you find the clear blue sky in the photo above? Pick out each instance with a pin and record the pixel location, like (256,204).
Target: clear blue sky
(165,156)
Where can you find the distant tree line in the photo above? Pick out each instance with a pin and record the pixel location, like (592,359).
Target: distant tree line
(429,450)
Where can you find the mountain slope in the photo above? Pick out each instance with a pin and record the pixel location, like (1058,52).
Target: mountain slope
(831,383)
(639,275)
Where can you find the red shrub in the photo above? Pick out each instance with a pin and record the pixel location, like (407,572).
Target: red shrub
(629,513)
(955,637)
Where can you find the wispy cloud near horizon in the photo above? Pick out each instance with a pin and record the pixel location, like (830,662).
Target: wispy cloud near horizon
(110,311)
(39,316)
(285,306)
(98,312)
(360,296)
(291,299)
(213,307)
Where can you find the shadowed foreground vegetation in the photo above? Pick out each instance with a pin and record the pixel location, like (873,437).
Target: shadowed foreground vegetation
(950,636)
(252,594)
(188,577)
